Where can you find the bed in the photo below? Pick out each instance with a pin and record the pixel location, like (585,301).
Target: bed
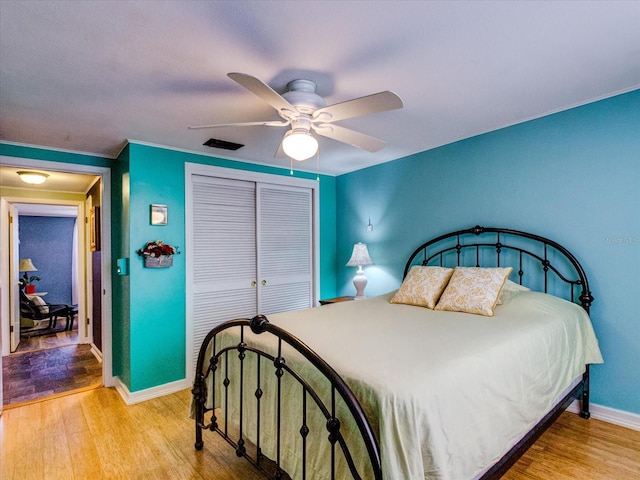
(389,387)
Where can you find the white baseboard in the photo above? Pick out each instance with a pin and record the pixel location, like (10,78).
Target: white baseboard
(606,414)
(96,353)
(149,393)
(610,415)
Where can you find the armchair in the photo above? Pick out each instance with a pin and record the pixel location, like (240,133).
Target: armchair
(35,312)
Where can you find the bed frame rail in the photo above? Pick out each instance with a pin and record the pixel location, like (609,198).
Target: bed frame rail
(535,255)
(209,367)
(448,250)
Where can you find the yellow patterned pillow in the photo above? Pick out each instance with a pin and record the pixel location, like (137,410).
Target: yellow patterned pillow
(423,286)
(474,290)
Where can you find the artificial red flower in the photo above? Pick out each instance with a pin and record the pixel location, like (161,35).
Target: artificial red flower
(157,248)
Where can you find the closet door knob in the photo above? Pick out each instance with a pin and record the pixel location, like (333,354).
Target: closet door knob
(264,282)
(253,284)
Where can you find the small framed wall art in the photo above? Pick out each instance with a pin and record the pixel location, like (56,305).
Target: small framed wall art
(158,214)
(94,229)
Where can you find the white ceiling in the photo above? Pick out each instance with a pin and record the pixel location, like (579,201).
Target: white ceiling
(40,210)
(86,76)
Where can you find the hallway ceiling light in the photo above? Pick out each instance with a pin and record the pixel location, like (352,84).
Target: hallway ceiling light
(33,178)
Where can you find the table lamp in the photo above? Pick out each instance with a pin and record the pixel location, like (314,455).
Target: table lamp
(26,265)
(359,258)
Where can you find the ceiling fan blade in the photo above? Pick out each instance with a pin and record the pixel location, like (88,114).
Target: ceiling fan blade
(350,137)
(262,90)
(273,123)
(377,102)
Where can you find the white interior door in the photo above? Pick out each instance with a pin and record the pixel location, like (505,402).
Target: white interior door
(243,229)
(224,253)
(14,277)
(83,324)
(285,248)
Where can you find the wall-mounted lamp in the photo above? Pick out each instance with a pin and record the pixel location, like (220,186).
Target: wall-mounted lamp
(359,258)
(33,178)
(369,226)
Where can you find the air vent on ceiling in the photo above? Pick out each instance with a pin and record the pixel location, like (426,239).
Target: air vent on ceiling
(215,143)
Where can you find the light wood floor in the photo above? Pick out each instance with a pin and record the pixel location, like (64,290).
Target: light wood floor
(94,435)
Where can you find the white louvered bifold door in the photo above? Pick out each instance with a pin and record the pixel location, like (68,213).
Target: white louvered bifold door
(224,253)
(285,246)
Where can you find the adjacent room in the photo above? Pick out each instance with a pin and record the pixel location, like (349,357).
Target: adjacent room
(319,239)
(47,357)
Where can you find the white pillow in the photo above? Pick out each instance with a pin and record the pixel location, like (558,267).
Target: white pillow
(509,290)
(423,286)
(473,290)
(40,303)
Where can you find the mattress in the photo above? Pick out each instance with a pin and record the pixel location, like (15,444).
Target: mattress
(447,393)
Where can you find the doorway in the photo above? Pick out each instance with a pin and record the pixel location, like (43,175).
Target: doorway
(86,262)
(48,254)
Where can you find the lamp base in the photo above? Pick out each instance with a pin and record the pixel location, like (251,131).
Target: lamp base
(359,281)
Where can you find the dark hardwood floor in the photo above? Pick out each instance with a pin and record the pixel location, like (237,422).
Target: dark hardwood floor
(59,338)
(48,365)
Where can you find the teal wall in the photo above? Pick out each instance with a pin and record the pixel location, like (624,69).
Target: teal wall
(573,177)
(37,153)
(120,284)
(157,296)
(148,321)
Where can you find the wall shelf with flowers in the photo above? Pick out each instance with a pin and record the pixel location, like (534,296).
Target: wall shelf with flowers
(157,254)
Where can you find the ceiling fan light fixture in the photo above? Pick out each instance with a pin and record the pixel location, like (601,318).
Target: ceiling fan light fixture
(299,144)
(33,178)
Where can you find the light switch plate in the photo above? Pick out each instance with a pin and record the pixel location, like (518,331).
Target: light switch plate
(122,266)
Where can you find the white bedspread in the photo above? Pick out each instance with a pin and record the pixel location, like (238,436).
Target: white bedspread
(452,392)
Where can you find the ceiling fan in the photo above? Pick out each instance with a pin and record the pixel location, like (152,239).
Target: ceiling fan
(304,110)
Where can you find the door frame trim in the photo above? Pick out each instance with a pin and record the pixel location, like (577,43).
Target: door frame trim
(105,213)
(80,215)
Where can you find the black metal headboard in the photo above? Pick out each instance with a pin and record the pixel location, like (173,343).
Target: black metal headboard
(532,257)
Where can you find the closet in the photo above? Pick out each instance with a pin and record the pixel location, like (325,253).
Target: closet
(252,251)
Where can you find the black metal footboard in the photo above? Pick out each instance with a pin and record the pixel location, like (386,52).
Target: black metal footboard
(336,403)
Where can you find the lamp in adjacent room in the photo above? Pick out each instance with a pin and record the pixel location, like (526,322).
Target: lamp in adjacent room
(26,265)
(359,258)
(33,178)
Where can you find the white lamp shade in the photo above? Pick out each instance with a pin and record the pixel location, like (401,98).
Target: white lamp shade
(359,256)
(299,144)
(26,265)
